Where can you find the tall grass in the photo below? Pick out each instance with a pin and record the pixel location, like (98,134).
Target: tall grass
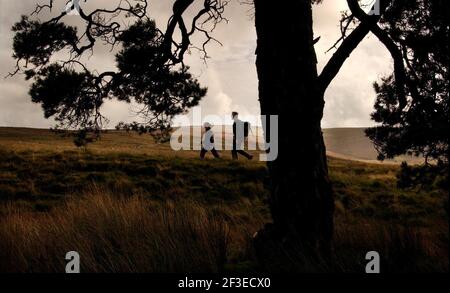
(114,234)
(153,210)
(402,249)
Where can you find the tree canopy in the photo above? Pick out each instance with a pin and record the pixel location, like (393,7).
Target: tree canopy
(73,94)
(420,30)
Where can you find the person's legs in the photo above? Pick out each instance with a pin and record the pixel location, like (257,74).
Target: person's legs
(245,154)
(203,153)
(215,153)
(237,150)
(234,152)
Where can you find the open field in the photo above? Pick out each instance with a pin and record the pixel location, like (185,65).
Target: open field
(127,204)
(344,143)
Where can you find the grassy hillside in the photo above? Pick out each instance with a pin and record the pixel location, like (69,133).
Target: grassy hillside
(129,204)
(353,144)
(345,143)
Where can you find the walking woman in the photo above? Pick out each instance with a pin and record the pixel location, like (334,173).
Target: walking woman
(208,142)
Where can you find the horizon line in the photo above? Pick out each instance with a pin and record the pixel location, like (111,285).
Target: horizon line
(193,125)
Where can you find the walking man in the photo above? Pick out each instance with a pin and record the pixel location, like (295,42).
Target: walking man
(240,133)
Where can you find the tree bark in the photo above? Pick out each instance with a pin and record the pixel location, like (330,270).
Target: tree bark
(301,202)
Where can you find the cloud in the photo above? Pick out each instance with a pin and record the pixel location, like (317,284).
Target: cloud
(222,103)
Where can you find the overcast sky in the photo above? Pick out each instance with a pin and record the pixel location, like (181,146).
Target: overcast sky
(230,74)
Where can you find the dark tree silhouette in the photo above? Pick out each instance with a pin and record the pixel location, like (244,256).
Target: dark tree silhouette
(420,32)
(72,93)
(289,86)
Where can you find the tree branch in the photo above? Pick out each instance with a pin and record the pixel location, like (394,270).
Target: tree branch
(212,10)
(349,43)
(368,23)
(338,59)
(396,53)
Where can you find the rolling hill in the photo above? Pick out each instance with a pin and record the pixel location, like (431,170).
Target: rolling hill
(137,204)
(344,143)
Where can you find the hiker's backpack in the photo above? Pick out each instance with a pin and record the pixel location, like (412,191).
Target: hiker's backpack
(246,128)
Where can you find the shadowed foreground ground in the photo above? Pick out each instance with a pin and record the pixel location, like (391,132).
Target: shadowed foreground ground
(129,205)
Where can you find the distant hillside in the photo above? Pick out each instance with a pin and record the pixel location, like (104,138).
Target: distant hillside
(353,144)
(350,142)
(344,143)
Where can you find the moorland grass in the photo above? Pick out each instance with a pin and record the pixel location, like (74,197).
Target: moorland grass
(128,204)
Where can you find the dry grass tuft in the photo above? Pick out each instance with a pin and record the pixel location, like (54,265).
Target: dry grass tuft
(115,234)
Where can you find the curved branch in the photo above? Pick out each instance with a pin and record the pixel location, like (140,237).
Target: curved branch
(212,9)
(349,43)
(385,39)
(338,59)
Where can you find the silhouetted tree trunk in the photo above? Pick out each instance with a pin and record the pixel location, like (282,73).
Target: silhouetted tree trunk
(301,201)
